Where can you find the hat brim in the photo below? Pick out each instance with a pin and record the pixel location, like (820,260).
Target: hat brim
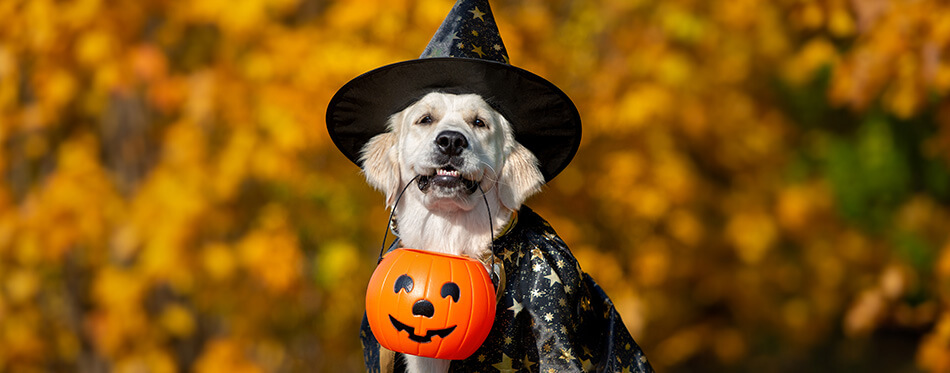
(543,118)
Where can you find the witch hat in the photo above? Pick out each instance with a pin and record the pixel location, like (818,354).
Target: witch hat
(466,55)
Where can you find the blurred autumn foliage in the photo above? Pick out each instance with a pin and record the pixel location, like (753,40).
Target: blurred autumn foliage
(762,185)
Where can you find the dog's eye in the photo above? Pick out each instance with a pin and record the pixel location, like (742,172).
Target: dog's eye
(426,119)
(479,123)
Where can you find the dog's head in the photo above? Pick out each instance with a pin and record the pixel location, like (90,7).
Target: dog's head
(452,144)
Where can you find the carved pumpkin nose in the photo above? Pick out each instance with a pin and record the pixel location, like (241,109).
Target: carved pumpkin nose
(423,307)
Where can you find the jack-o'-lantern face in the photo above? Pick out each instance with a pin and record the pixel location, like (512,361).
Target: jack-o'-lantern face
(430,304)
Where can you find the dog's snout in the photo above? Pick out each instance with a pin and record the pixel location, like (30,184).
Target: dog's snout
(451,142)
(424,308)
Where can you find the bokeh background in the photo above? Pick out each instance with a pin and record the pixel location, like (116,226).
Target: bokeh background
(762,186)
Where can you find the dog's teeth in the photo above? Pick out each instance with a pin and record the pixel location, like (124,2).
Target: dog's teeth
(442,172)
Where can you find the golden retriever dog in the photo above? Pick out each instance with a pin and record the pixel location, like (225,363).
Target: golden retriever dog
(452,146)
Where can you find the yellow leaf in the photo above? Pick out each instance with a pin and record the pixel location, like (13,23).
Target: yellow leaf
(815,54)
(932,355)
(649,202)
(840,22)
(218,261)
(225,355)
(58,88)
(686,228)
(271,254)
(151,361)
(674,175)
(118,289)
(674,69)
(642,105)
(21,285)
(95,47)
(81,13)
(177,320)
(283,128)
(680,346)
(681,24)
(336,261)
(811,15)
(795,208)
(19,336)
(653,263)
(752,234)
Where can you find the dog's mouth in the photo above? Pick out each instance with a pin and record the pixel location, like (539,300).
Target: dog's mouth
(441,333)
(446,177)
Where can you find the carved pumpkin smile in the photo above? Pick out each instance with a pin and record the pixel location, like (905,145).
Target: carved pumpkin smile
(442,333)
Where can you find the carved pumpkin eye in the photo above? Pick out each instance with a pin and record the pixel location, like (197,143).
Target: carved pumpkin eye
(450,289)
(404,282)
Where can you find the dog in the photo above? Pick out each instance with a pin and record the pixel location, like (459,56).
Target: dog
(452,145)
(462,155)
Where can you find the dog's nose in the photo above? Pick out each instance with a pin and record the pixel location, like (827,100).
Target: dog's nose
(451,142)
(423,307)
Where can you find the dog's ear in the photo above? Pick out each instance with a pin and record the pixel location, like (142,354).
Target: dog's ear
(520,177)
(381,165)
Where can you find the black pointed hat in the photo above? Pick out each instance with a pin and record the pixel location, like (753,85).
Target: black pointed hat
(466,55)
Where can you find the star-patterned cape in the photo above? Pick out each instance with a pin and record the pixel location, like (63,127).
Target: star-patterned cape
(551,316)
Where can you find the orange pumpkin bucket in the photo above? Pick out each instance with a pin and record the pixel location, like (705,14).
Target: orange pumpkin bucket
(430,304)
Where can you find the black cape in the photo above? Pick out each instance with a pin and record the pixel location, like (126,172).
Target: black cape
(551,316)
